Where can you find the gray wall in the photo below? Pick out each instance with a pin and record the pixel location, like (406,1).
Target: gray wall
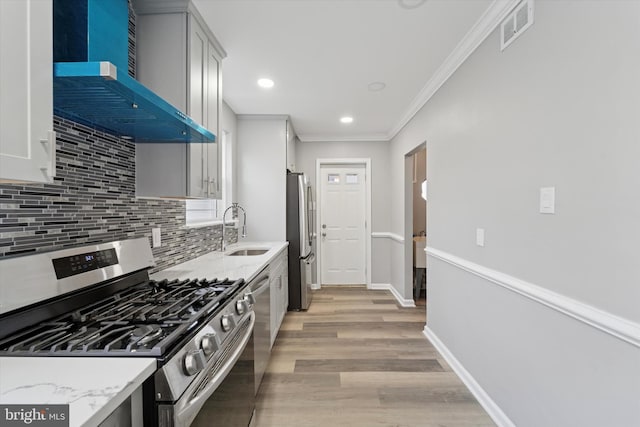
(306,155)
(559,107)
(229,124)
(262,175)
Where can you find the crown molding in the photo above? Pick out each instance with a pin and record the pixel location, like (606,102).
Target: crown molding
(378,137)
(618,327)
(489,20)
(262,117)
(484,26)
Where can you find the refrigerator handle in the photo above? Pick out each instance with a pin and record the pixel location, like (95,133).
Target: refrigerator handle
(310,213)
(310,259)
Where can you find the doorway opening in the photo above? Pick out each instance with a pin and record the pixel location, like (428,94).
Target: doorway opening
(343,218)
(416,223)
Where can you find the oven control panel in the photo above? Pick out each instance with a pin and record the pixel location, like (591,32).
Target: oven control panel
(81,263)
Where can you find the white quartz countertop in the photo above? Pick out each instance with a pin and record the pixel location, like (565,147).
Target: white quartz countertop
(92,386)
(219,265)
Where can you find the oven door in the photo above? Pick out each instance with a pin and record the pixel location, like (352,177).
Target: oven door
(223,394)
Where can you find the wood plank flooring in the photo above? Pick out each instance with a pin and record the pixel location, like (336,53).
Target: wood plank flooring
(357,359)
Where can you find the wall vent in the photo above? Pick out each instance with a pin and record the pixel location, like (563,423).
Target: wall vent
(516,23)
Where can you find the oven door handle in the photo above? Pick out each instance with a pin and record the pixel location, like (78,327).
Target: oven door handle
(188,413)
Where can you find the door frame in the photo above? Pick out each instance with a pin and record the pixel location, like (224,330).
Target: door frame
(408,219)
(367,232)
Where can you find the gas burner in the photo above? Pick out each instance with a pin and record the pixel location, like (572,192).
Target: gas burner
(145,334)
(145,318)
(160,286)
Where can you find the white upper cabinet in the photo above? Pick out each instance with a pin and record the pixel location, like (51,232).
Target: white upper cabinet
(180,59)
(27,140)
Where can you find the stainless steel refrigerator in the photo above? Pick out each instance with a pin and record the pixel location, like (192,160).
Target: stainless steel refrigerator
(300,237)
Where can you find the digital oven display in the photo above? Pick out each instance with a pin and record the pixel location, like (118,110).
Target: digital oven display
(76,264)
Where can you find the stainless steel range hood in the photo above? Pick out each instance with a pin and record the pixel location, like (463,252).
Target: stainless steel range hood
(91,84)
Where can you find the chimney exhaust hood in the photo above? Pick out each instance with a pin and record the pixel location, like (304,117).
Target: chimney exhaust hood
(91,84)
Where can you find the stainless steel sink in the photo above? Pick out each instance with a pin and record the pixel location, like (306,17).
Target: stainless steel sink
(248,252)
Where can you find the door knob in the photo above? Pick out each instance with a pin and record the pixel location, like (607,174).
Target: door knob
(324,234)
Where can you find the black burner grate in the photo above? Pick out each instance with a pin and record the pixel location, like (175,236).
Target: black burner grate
(145,319)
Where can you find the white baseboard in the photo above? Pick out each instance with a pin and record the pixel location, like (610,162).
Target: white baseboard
(611,324)
(494,411)
(315,286)
(408,303)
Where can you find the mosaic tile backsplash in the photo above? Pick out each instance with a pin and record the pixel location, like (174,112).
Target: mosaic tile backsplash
(92,200)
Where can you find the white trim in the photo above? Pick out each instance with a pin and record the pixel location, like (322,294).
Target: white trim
(368,178)
(484,26)
(262,117)
(621,328)
(315,286)
(386,234)
(378,137)
(488,22)
(406,303)
(494,411)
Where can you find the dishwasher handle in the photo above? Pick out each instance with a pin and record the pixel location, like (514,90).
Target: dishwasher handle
(261,283)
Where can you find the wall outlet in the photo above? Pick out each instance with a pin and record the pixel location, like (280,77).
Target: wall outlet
(156,240)
(480,236)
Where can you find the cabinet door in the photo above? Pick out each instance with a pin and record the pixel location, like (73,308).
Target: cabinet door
(273,289)
(285,283)
(198,58)
(27,141)
(213,105)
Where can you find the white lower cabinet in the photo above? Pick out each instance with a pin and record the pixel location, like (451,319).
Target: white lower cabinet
(279,292)
(27,140)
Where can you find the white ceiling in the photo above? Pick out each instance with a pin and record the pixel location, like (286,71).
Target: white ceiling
(322,55)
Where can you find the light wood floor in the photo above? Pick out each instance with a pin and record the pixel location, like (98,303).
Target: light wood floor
(358,359)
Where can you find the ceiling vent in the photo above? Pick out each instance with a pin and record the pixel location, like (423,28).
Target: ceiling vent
(516,23)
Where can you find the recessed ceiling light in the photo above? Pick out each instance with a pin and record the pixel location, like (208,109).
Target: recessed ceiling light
(265,83)
(376,86)
(346,119)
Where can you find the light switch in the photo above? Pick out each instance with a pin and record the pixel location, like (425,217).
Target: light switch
(548,200)
(480,236)
(155,237)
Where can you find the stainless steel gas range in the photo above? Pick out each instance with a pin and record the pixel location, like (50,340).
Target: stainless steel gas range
(98,301)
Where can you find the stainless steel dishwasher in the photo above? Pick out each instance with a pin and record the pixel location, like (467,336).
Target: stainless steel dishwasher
(262,331)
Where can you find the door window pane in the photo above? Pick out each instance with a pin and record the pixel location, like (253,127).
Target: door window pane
(333,178)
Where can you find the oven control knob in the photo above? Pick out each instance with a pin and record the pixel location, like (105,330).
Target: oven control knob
(241,307)
(227,322)
(194,362)
(209,344)
(250,298)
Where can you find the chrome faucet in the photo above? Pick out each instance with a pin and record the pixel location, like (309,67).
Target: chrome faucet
(234,214)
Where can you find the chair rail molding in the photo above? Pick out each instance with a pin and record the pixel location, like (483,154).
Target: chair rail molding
(623,329)
(388,235)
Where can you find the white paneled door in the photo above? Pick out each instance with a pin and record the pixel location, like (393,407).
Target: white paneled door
(343,224)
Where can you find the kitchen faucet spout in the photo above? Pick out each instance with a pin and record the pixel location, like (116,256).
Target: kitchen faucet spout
(234,214)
